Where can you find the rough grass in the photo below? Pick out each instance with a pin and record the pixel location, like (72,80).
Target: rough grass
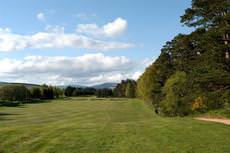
(89,125)
(219,113)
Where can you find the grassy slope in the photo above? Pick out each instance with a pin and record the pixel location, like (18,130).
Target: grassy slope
(110,126)
(25,84)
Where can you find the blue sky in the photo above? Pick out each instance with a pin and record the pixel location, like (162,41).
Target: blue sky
(100,33)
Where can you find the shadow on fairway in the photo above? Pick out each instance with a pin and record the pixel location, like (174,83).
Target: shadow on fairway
(10,104)
(22,104)
(4,115)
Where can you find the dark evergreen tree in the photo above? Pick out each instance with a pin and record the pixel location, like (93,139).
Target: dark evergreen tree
(36,93)
(69,91)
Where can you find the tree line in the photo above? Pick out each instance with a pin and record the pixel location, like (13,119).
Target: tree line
(192,73)
(71,91)
(127,88)
(22,94)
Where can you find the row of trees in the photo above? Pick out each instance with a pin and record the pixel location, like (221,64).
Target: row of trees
(73,91)
(104,93)
(127,88)
(23,94)
(192,72)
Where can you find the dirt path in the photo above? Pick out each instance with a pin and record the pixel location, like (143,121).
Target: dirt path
(224,121)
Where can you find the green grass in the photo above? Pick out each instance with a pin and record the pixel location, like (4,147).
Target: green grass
(90,125)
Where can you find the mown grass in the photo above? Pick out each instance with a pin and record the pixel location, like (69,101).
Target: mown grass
(90,125)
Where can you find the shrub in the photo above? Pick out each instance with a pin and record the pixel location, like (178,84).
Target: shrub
(200,104)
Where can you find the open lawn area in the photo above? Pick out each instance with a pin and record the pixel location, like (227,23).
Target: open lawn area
(91,125)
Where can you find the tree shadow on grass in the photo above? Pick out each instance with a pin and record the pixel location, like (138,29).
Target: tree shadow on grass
(4,115)
(36,101)
(10,104)
(22,104)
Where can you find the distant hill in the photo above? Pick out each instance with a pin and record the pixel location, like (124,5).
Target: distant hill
(99,86)
(28,85)
(76,86)
(105,85)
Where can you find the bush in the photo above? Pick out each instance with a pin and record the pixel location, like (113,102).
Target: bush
(200,104)
(225,98)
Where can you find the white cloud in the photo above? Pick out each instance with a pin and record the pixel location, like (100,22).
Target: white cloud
(87,69)
(54,37)
(136,75)
(115,77)
(115,28)
(147,61)
(85,16)
(41,16)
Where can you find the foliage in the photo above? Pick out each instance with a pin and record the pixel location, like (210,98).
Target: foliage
(36,93)
(69,91)
(200,104)
(127,88)
(58,92)
(104,93)
(203,57)
(14,93)
(174,93)
(47,92)
(73,91)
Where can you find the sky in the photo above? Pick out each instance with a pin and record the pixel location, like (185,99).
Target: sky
(84,42)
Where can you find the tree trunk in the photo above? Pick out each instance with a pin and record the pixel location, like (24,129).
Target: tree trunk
(226,42)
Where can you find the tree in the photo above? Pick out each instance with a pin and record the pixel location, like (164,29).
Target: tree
(150,84)
(197,63)
(127,88)
(69,91)
(207,13)
(36,93)
(104,93)
(130,90)
(210,14)
(118,91)
(47,92)
(57,92)
(174,91)
(14,93)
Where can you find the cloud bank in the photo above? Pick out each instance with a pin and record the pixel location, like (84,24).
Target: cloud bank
(60,70)
(54,39)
